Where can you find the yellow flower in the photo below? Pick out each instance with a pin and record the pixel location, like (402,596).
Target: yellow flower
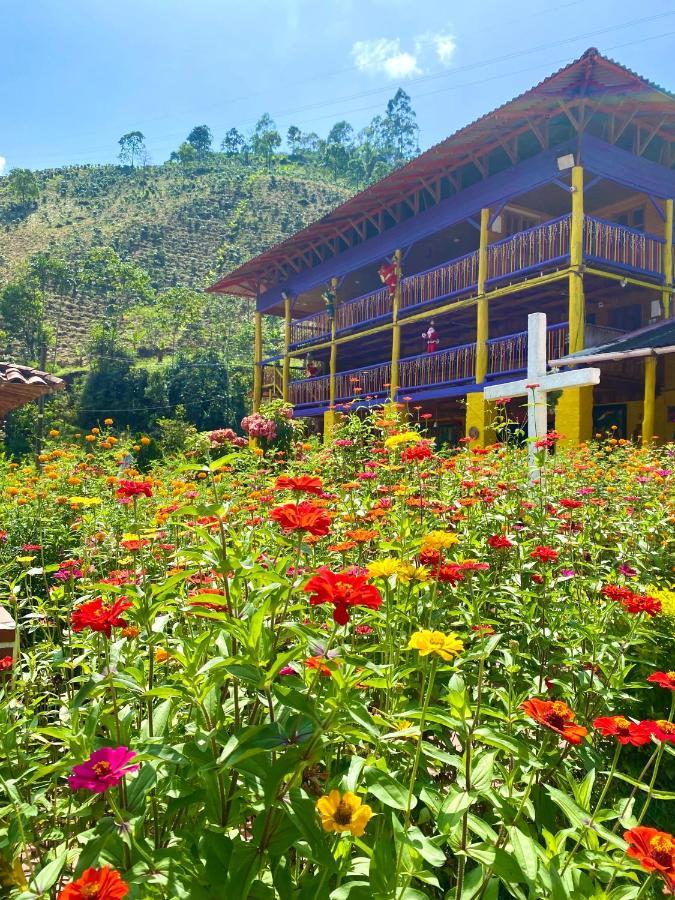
(404,437)
(107,421)
(25,559)
(667,598)
(84,501)
(145,441)
(343,812)
(54,432)
(384,568)
(439,540)
(447,646)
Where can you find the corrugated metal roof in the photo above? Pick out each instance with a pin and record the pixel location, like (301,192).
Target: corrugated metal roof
(595,71)
(21,384)
(662,334)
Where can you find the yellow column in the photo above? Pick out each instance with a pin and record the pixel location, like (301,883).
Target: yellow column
(257,359)
(479,425)
(649,401)
(482,303)
(285,372)
(577,306)
(668,258)
(395,330)
(329,415)
(574,416)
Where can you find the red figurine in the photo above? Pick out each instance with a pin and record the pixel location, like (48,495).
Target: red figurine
(431,337)
(313,367)
(388,277)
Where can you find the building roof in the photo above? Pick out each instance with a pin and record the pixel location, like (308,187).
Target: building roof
(643,342)
(21,384)
(592,75)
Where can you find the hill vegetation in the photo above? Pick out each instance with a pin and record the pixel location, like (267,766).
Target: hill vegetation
(103,268)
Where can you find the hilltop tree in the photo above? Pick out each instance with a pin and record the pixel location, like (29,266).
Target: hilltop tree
(23,184)
(132,147)
(185,155)
(201,139)
(24,314)
(266,139)
(233,143)
(400,128)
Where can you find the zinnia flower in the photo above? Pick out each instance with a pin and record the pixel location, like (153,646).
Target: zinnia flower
(447,646)
(343,812)
(499,542)
(663,679)
(6,663)
(300,483)
(661,729)
(129,489)
(343,590)
(303,516)
(99,616)
(625,731)
(416,453)
(544,554)
(654,850)
(96,884)
(557,716)
(104,769)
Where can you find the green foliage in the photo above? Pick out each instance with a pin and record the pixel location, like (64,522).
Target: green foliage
(23,186)
(132,148)
(201,139)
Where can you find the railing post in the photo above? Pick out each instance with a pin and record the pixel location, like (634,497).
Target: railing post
(649,401)
(482,303)
(257,360)
(667,258)
(577,307)
(286,370)
(395,329)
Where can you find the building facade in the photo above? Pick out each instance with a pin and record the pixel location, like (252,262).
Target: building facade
(419,287)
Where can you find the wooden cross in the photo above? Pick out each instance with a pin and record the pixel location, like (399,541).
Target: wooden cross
(537,384)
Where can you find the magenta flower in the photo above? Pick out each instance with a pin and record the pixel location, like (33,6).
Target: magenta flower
(104,769)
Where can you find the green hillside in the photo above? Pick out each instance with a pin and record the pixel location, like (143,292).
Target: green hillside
(181,224)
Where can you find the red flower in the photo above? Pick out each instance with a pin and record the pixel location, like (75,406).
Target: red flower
(451,573)
(104,769)
(303,516)
(300,483)
(571,504)
(557,716)
(664,679)
(416,453)
(96,884)
(625,731)
(483,630)
(654,850)
(661,729)
(343,590)
(616,592)
(638,603)
(99,616)
(6,663)
(317,662)
(129,489)
(499,542)
(544,554)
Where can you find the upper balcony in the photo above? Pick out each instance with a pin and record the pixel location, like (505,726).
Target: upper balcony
(540,249)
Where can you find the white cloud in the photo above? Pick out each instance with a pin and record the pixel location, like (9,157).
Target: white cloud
(387,56)
(3,163)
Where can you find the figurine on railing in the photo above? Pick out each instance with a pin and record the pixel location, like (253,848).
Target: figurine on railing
(388,277)
(329,300)
(431,337)
(312,366)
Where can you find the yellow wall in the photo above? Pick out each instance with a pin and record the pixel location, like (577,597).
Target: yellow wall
(479,415)
(574,416)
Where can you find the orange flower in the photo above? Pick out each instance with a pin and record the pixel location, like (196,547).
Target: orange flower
(96,884)
(300,483)
(654,850)
(303,516)
(557,716)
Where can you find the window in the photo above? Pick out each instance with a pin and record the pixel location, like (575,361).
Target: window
(626,318)
(633,218)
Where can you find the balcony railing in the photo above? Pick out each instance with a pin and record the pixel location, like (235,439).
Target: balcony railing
(454,365)
(535,249)
(607,242)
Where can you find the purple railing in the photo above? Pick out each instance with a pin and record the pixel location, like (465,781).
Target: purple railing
(442,281)
(529,249)
(621,246)
(310,328)
(509,353)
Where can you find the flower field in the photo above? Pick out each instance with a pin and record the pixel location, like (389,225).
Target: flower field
(372,669)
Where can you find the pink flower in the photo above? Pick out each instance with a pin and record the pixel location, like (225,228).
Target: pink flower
(104,769)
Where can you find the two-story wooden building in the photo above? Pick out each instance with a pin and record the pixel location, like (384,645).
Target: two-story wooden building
(560,201)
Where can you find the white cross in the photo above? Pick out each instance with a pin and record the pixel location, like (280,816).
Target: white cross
(537,375)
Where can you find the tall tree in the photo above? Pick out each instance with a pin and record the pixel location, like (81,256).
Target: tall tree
(201,139)
(132,147)
(23,184)
(233,143)
(400,125)
(265,139)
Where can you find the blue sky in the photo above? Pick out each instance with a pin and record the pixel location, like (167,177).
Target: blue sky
(77,74)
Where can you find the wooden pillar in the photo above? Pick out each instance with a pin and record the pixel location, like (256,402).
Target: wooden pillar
(577,306)
(667,258)
(482,323)
(286,370)
(257,360)
(395,330)
(649,401)
(329,416)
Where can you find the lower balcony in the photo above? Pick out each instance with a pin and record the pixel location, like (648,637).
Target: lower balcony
(425,375)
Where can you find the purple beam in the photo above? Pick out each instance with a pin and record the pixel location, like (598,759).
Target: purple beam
(625,168)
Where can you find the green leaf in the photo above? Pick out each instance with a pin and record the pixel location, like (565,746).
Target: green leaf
(483,772)
(387,789)
(47,876)
(140,786)
(524,852)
